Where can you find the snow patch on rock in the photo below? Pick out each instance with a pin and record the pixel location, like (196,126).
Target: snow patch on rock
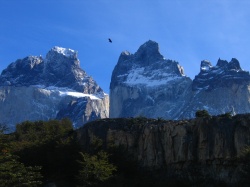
(64,51)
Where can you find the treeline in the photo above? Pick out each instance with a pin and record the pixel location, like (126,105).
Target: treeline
(44,153)
(49,154)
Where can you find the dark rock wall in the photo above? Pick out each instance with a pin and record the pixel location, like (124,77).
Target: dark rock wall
(201,148)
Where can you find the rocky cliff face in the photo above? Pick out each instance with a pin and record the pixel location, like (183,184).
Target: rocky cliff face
(34,88)
(146,84)
(220,89)
(206,149)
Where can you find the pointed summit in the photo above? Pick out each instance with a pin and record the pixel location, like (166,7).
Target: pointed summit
(150,44)
(234,64)
(221,63)
(60,56)
(64,51)
(149,52)
(56,87)
(145,79)
(23,71)
(205,65)
(146,67)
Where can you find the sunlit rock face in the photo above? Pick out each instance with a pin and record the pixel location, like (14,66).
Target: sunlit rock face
(203,151)
(146,84)
(220,89)
(34,88)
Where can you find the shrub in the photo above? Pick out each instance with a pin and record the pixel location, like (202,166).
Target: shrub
(94,169)
(202,113)
(226,115)
(14,173)
(3,128)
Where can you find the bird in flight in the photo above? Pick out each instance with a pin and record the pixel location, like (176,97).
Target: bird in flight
(110,40)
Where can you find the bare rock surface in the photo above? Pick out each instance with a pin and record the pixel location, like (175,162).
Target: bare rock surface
(201,148)
(147,84)
(34,88)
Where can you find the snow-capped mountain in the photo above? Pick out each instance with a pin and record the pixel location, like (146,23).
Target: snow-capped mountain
(34,88)
(147,84)
(220,89)
(223,73)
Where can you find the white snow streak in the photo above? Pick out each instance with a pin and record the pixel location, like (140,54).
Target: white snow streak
(66,92)
(64,51)
(136,76)
(79,94)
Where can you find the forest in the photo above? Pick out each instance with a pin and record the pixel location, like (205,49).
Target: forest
(50,153)
(43,153)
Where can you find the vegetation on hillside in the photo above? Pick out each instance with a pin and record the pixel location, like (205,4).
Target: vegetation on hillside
(41,153)
(202,113)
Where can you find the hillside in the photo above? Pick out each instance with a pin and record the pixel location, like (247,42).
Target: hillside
(205,151)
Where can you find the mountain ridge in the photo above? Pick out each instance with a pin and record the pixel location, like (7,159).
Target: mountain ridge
(145,83)
(49,88)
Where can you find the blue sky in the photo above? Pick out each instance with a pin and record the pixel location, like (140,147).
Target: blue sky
(187,31)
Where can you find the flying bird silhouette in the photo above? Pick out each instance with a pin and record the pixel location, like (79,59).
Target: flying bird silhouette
(110,40)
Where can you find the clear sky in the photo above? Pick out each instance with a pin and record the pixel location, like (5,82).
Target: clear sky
(187,31)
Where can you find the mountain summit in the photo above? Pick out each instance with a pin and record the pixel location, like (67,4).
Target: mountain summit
(147,84)
(141,83)
(220,75)
(34,88)
(60,68)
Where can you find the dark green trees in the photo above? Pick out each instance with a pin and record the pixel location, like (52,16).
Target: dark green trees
(12,171)
(95,168)
(39,149)
(202,113)
(50,144)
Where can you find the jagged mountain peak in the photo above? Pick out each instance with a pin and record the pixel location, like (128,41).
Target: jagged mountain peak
(60,68)
(143,79)
(234,64)
(222,65)
(125,53)
(64,51)
(150,45)
(205,65)
(146,66)
(148,53)
(26,64)
(147,84)
(34,88)
(59,56)
(24,71)
(221,75)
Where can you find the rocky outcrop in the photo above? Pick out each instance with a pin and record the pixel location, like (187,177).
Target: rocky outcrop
(224,74)
(34,88)
(146,84)
(23,72)
(220,89)
(202,148)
